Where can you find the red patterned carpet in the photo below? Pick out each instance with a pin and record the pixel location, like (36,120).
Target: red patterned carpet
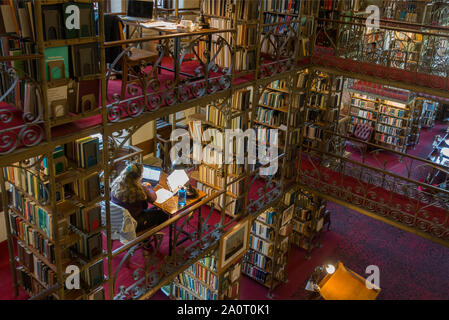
(410,267)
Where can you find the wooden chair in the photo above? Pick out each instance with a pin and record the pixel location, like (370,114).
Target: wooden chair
(364,132)
(134,60)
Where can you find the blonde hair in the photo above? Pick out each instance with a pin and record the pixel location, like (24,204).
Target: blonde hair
(126,187)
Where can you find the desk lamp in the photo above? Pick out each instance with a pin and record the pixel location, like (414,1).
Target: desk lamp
(317,276)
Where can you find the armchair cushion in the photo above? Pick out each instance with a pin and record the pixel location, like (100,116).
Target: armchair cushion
(363,131)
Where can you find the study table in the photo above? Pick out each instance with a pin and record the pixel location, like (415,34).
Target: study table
(170,207)
(166,27)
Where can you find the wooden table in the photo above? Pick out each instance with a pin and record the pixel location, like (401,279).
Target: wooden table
(177,40)
(171,207)
(345,284)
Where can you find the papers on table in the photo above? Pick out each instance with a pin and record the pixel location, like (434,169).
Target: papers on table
(161,25)
(177,180)
(163,195)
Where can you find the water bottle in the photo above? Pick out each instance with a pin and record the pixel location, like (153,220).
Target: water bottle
(182,197)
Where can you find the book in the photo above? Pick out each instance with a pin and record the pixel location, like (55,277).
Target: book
(57,63)
(88,92)
(7,24)
(52,22)
(85,59)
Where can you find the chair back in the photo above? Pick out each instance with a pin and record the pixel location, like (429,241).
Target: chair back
(363,131)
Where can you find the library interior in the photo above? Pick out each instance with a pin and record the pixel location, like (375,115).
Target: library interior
(224,149)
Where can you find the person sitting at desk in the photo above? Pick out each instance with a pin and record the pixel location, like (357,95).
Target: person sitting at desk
(129,193)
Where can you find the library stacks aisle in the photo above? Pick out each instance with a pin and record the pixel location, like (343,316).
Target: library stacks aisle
(293,123)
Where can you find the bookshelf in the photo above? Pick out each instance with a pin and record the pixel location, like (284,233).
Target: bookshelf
(401,10)
(266,261)
(52,213)
(429,112)
(208,129)
(202,281)
(324,94)
(50,239)
(307,221)
(242,15)
(395,122)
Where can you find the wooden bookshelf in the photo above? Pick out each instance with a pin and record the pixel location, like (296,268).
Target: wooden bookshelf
(307,222)
(396,124)
(202,281)
(267,259)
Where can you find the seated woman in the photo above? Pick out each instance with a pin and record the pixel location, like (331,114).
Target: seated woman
(129,193)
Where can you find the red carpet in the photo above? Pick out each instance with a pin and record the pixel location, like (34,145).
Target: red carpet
(410,267)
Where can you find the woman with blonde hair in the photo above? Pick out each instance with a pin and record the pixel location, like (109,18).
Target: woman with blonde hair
(129,192)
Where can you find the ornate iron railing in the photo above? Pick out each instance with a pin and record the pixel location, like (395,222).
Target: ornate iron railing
(372,186)
(388,51)
(19,126)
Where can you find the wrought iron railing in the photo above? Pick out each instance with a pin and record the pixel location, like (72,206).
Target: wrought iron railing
(423,52)
(372,186)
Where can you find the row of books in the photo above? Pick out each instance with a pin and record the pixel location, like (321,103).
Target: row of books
(300,226)
(27,182)
(72,61)
(391,121)
(216,7)
(290,196)
(363,113)
(270,18)
(320,83)
(313,132)
(268,216)
(215,116)
(204,275)
(263,246)
(393,111)
(273,99)
(284,6)
(278,85)
(28,283)
(314,115)
(242,99)
(89,247)
(87,219)
(255,272)
(209,262)
(389,130)
(363,104)
(33,212)
(245,60)
(268,136)
(246,35)
(201,290)
(35,266)
(73,97)
(183,294)
(389,139)
(232,205)
(31,237)
(355,120)
(93,276)
(210,176)
(258,260)
(271,117)
(318,100)
(262,231)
